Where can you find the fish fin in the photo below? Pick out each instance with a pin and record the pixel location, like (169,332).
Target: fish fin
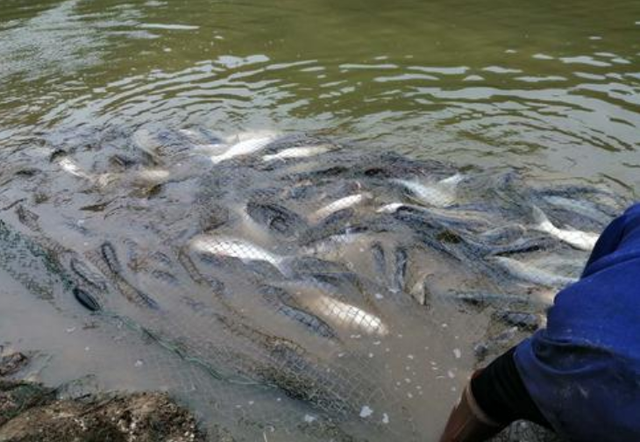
(216,159)
(542,221)
(390,208)
(452,181)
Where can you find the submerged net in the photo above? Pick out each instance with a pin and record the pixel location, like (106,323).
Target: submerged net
(295,288)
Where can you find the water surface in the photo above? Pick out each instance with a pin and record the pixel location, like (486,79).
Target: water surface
(551,89)
(554,87)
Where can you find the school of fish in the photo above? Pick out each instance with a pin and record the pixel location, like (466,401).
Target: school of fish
(348,291)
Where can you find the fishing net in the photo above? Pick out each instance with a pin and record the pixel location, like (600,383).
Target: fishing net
(293,287)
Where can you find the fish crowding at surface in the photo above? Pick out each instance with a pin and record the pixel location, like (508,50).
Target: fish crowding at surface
(294,266)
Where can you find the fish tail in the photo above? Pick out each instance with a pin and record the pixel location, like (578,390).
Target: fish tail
(542,221)
(216,159)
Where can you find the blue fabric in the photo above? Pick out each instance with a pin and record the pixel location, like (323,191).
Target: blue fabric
(583,370)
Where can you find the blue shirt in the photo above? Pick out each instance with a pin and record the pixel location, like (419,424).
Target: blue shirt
(583,370)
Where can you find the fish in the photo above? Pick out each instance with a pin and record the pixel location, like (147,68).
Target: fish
(144,140)
(276,217)
(379,259)
(575,238)
(444,217)
(495,344)
(308,265)
(484,299)
(428,231)
(286,305)
(523,320)
(532,274)
(110,258)
(501,235)
(205,142)
(165,277)
(440,194)
(582,208)
(391,208)
(88,275)
(401,259)
(331,225)
(333,242)
(520,245)
(86,300)
(348,316)
(602,199)
(338,205)
(153,175)
(73,168)
(220,230)
(235,248)
(297,152)
(245,147)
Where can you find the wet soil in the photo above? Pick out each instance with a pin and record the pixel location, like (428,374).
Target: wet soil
(32,412)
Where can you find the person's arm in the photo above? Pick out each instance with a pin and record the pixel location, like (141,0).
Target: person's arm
(495,397)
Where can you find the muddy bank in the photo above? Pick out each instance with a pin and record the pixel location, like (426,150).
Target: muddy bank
(32,412)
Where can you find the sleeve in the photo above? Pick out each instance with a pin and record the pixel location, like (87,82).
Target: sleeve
(607,243)
(613,236)
(501,394)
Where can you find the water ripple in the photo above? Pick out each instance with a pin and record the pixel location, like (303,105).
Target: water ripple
(557,92)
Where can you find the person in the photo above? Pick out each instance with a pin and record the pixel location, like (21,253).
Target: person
(579,376)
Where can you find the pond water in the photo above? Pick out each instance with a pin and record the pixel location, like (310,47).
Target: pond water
(549,89)
(551,86)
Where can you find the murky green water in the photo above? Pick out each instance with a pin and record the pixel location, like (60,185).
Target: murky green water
(551,86)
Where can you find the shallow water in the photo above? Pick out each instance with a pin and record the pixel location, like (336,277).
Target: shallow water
(550,89)
(266,294)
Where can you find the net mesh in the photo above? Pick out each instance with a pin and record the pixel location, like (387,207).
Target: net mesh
(296,288)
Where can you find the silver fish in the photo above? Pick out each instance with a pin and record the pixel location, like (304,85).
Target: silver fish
(245,147)
(334,242)
(234,248)
(341,204)
(584,208)
(390,208)
(72,168)
(348,316)
(575,238)
(286,305)
(144,140)
(440,194)
(532,274)
(298,152)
